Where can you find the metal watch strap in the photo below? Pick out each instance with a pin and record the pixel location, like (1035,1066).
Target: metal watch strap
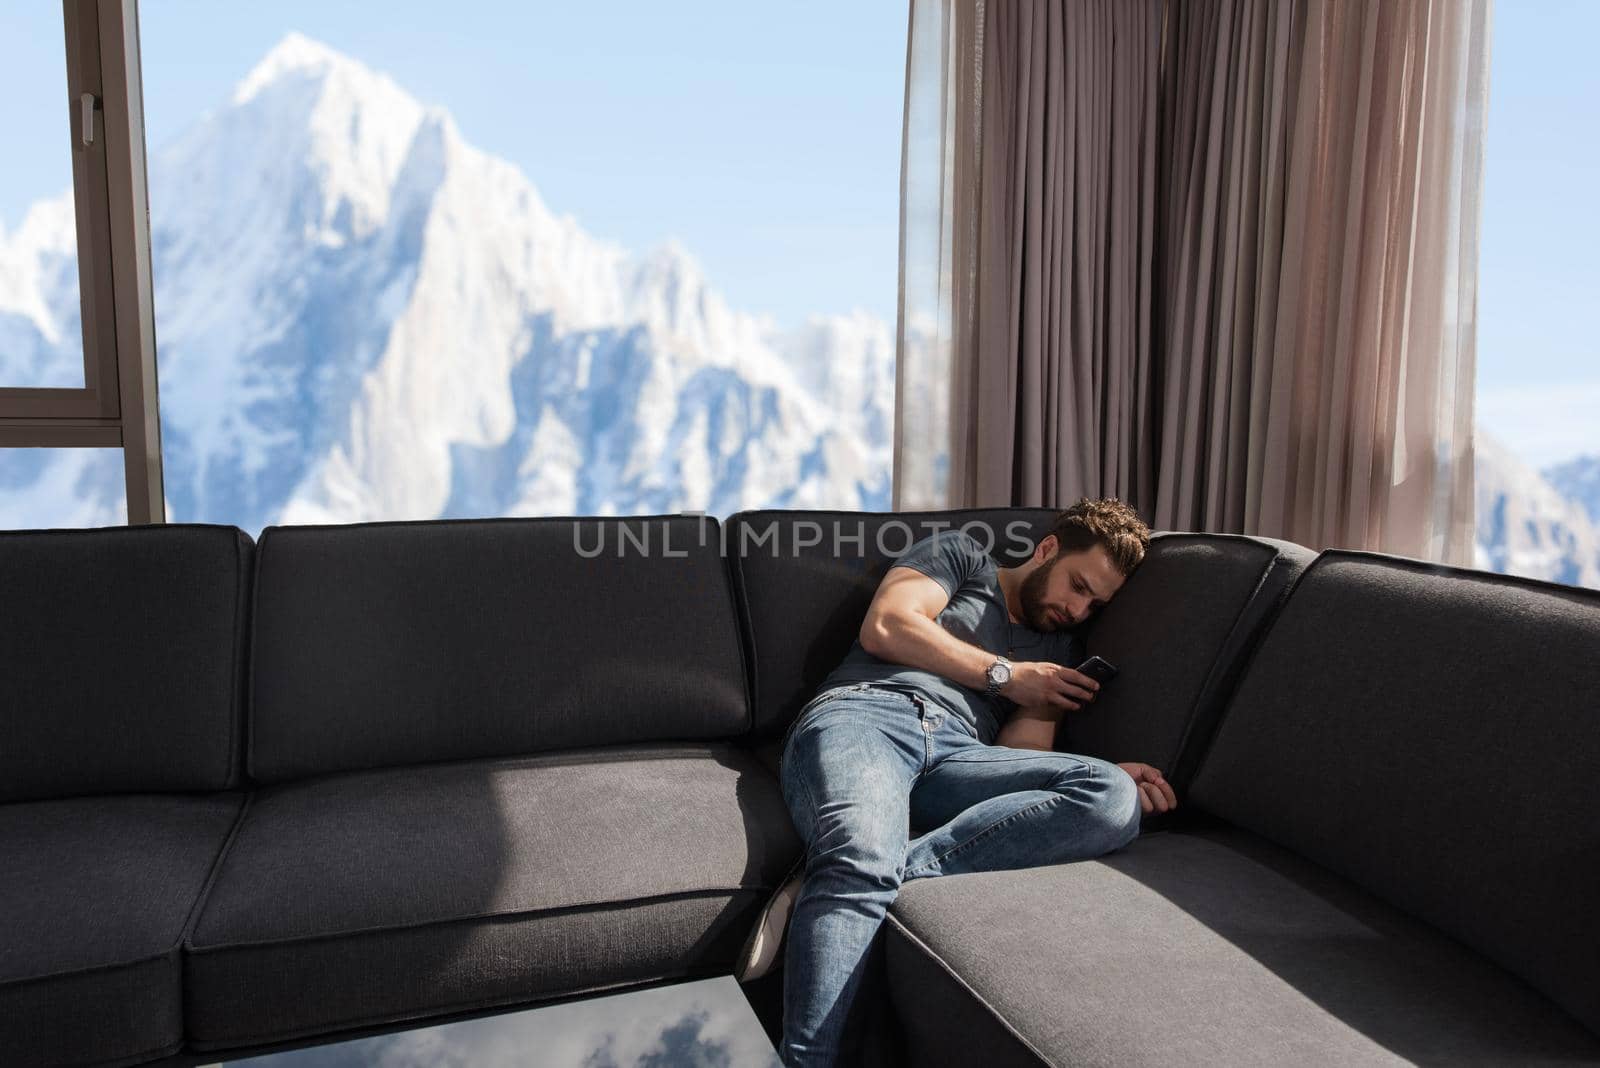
(993,688)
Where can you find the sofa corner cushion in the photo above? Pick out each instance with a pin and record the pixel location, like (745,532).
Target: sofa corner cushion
(1180,630)
(1210,947)
(94,897)
(1432,734)
(377,896)
(122,655)
(386,644)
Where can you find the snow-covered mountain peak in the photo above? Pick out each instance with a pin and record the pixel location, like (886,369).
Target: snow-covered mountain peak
(1579,480)
(669,292)
(48,226)
(1526,526)
(32,260)
(670,265)
(298,56)
(322,113)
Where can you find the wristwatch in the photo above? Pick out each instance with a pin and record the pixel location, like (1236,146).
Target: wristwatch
(999,674)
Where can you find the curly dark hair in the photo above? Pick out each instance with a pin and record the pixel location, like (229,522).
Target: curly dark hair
(1107,522)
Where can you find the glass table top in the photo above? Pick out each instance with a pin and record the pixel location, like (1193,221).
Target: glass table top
(702,1024)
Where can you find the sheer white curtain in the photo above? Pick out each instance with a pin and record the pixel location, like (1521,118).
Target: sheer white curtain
(1297,360)
(1358,432)
(944,71)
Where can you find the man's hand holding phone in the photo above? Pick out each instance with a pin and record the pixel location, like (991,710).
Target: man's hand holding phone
(1036,683)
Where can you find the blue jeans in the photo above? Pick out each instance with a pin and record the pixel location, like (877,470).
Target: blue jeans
(863,769)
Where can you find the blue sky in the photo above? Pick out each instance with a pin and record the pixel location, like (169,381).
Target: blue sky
(1539,265)
(766,139)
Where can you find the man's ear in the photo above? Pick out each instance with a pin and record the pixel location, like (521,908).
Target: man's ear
(1047,547)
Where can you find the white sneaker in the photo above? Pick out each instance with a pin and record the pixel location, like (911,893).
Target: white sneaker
(760,950)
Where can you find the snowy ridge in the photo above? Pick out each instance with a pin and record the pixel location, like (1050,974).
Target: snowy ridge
(39,310)
(361,316)
(1526,526)
(1579,481)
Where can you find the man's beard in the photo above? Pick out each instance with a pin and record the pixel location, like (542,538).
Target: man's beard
(1031,594)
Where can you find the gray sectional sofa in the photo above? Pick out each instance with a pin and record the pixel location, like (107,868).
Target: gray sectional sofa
(353,778)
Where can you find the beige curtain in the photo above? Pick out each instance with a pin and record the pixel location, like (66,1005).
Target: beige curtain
(1048,224)
(1063,261)
(1224,268)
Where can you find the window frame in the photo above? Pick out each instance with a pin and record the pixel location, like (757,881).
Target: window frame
(117,405)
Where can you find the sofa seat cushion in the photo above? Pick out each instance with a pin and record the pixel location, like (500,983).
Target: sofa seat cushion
(384,895)
(1208,947)
(94,896)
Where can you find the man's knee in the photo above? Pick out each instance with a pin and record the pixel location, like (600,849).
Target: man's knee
(1120,804)
(1112,799)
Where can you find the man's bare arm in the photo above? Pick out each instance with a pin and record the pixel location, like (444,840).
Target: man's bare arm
(902,627)
(1030,728)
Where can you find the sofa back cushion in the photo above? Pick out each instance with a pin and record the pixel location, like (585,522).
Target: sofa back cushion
(1433,734)
(805,580)
(121,659)
(1179,630)
(397,643)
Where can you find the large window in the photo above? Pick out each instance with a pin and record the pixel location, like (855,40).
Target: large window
(509,259)
(1538,444)
(497,258)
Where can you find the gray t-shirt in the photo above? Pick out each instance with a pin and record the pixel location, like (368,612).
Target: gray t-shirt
(976,614)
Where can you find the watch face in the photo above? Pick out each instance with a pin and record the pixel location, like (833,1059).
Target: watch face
(999,674)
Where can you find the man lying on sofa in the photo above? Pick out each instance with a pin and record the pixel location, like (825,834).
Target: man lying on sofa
(906,734)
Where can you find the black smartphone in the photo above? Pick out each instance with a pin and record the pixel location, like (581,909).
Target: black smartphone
(1099,669)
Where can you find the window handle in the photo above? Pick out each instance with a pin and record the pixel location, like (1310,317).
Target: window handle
(87,102)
